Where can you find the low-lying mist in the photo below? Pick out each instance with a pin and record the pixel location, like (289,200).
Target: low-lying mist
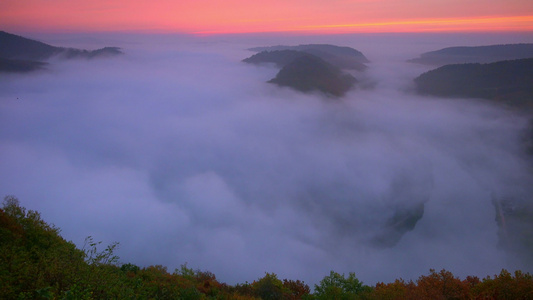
(182,153)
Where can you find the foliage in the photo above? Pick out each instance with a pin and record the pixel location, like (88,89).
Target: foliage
(37,263)
(506,286)
(33,256)
(269,287)
(105,257)
(337,286)
(296,289)
(441,285)
(395,290)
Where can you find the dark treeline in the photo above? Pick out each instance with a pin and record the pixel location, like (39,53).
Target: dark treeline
(37,263)
(509,82)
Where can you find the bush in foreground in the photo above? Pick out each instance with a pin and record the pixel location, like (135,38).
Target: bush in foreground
(37,263)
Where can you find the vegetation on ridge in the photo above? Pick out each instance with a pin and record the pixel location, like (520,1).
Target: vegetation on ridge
(305,72)
(508,82)
(37,263)
(342,57)
(21,66)
(20,54)
(478,54)
(308,73)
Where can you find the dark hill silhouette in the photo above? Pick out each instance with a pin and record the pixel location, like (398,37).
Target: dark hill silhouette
(342,57)
(20,66)
(20,54)
(80,53)
(509,82)
(479,54)
(279,57)
(17,47)
(308,73)
(309,68)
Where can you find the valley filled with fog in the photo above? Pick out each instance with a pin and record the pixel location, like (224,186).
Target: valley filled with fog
(184,154)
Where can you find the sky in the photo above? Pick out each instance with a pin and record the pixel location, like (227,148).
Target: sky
(184,154)
(242,16)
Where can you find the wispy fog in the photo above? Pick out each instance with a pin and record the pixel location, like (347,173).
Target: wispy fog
(182,153)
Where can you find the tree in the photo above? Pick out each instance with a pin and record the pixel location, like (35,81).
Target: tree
(441,285)
(269,287)
(336,286)
(506,286)
(296,289)
(34,258)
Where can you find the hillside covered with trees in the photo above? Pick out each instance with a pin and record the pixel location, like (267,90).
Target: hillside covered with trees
(477,54)
(20,54)
(342,57)
(37,263)
(309,68)
(308,73)
(509,82)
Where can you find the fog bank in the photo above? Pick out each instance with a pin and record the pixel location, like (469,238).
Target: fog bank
(182,153)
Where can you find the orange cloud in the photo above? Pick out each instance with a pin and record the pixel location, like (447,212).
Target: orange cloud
(517,23)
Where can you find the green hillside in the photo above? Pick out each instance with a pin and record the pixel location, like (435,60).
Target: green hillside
(37,263)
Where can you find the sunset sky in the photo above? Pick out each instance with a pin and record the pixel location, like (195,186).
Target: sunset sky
(241,16)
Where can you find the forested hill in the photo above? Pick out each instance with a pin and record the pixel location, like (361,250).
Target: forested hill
(341,57)
(508,82)
(280,58)
(20,66)
(20,54)
(17,47)
(316,67)
(478,54)
(37,263)
(308,73)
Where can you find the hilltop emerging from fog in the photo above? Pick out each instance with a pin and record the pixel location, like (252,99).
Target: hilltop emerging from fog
(503,73)
(316,67)
(19,54)
(479,54)
(509,82)
(341,57)
(308,73)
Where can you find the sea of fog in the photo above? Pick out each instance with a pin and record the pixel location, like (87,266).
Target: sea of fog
(183,154)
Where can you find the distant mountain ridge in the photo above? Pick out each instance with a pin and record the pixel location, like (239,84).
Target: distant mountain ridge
(20,54)
(477,54)
(509,82)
